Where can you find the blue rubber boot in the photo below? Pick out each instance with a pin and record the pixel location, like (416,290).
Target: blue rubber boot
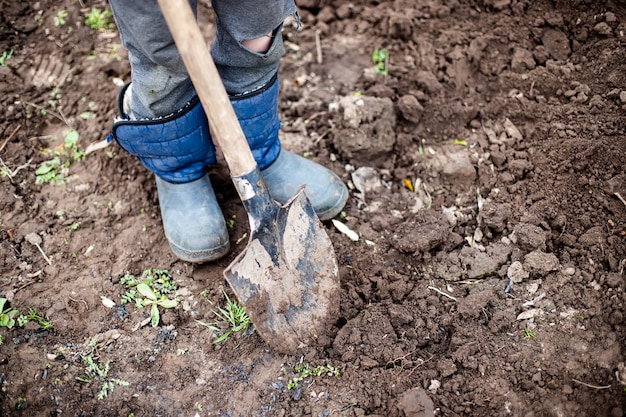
(178,149)
(285,172)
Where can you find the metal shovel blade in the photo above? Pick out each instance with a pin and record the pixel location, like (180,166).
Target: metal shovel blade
(287,276)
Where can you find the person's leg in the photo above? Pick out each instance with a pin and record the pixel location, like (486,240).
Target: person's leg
(161,84)
(165,126)
(247,52)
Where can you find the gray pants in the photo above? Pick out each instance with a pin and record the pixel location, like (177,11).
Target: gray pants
(160,83)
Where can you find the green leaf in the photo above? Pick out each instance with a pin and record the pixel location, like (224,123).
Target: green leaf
(71,138)
(222,338)
(2,303)
(44,168)
(167,303)
(146,291)
(154,313)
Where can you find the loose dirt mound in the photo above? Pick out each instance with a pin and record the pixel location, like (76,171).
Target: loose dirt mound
(485,154)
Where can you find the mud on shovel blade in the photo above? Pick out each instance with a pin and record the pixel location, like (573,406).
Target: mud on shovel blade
(287,276)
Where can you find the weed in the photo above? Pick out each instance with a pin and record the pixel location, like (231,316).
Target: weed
(99,19)
(33,316)
(233,314)
(304,371)
(98,371)
(56,96)
(380,59)
(154,285)
(154,302)
(7,315)
(4,58)
(528,333)
(21,403)
(53,170)
(59,19)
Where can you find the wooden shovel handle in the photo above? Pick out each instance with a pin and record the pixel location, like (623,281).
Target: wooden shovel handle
(223,122)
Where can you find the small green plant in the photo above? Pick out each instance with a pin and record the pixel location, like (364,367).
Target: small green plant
(53,170)
(7,315)
(59,19)
(55,97)
(304,371)
(233,315)
(151,289)
(528,333)
(5,57)
(380,59)
(99,19)
(33,316)
(50,171)
(98,371)
(21,403)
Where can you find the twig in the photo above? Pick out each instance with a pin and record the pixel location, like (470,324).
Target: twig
(6,170)
(618,195)
(314,116)
(11,136)
(401,357)
(42,252)
(442,293)
(318,47)
(245,235)
(415,368)
(591,386)
(79,301)
(55,114)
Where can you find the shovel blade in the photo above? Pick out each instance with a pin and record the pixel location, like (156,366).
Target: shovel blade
(287,277)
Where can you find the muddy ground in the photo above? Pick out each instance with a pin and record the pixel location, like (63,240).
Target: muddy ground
(488,188)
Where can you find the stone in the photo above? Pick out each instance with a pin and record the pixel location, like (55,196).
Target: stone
(556,43)
(522,61)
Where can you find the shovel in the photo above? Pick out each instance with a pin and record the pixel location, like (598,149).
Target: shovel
(287,276)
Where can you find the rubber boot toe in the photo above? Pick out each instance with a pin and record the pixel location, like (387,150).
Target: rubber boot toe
(192,220)
(324,189)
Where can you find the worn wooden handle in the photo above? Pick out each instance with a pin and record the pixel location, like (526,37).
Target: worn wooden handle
(223,122)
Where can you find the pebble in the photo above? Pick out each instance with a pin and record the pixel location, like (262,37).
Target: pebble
(569,271)
(603,29)
(434,386)
(610,17)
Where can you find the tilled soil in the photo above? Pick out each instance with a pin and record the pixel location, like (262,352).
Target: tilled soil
(485,160)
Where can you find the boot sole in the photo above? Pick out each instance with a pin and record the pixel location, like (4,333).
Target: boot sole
(200,256)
